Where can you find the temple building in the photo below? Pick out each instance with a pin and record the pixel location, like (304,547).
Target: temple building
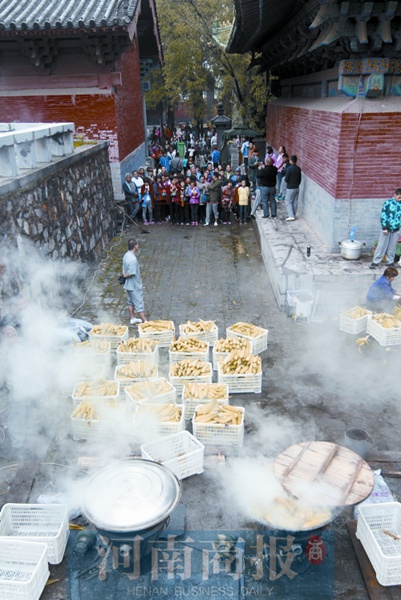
(81,62)
(335,70)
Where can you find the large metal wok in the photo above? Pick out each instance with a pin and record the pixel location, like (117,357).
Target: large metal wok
(317,477)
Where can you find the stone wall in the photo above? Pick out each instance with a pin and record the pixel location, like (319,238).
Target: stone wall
(66,208)
(331,219)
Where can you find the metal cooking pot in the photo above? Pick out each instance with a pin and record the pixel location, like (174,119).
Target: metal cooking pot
(129,503)
(130,496)
(351,250)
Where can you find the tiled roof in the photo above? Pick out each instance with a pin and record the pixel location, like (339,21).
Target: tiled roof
(65,14)
(257,20)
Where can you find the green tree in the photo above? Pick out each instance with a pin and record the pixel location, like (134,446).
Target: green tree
(195,61)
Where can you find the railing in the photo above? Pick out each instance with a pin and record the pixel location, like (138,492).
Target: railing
(29,145)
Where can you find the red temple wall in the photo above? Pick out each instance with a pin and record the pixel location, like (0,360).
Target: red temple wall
(115,116)
(128,103)
(349,155)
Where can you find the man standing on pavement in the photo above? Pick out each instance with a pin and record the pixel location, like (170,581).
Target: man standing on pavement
(267,183)
(293,178)
(214,191)
(390,218)
(253,164)
(245,154)
(133,283)
(131,196)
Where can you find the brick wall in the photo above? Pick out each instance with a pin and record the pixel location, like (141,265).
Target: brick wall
(115,117)
(348,155)
(93,115)
(129,110)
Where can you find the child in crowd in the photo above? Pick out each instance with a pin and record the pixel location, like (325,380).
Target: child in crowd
(194,198)
(147,200)
(243,200)
(226,202)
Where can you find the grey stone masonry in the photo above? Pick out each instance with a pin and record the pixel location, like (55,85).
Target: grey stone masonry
(64,208)
(331,219)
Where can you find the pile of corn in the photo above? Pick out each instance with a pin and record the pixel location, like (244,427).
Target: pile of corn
(157,326)
(239,362)
(138,369)
(96,346)
(86,410)
(199,391)
(165,413)
(96,388)
(198,327)
(247,329)
(230,344)
(386,320)
(108,329)
(356,313)
(221,414)
(188,345)
(137,345)
(189,368)
(397,312)
(143,390)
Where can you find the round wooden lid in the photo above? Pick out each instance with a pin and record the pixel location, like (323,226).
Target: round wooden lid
(325,472)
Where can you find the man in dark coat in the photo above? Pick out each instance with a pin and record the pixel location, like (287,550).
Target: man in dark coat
(267,177)
(293,178)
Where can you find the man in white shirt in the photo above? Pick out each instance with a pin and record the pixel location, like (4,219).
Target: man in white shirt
(133,283)
(137,179)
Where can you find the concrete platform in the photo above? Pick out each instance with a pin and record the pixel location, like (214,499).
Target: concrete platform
(333,281)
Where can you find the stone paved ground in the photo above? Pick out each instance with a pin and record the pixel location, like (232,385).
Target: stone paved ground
(316,382)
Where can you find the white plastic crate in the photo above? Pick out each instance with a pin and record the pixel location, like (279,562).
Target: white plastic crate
(217,355)
(24,569)
(219,435)
(85,429)
(126,357)
(191,403)
(384,551)
(241,384)
(150,370)
(179,382)
(115,340)
(164,338)
(163,427)
(258,343)
(353,326)
(114,397)
(206,336)
(175,357)
(96,351)
(108,425)
(181,452)
(385,337)
(47,523)
(152,397)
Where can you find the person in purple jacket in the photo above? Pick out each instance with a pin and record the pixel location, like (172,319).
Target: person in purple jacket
(194,198)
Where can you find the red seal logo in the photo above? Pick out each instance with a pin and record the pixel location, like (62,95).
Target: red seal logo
(315,550)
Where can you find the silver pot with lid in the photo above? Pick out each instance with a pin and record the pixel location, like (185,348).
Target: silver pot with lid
(131,498)
(351,249)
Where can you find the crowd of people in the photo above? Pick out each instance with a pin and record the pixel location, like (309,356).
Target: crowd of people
(195,188)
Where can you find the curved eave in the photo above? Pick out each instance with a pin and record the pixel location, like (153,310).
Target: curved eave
(256,21)
(50,15)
